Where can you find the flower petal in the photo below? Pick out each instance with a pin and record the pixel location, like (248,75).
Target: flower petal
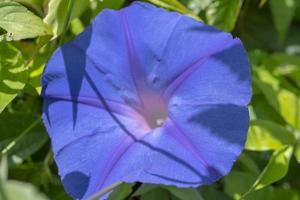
(95,158)
(198,147)
(93,99)
(221,78)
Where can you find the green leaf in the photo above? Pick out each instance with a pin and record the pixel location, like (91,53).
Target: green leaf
(267,135)
(237,183)
(223,13)
(283,13)
(197,5)
(289,106)
(210,193)
(57,15)
(285,193)
(155,195)
(286,65)
(33,172)
(144,189)
(13,73)
(248,164)
(20,23)
(184,193)
(116,4)
(36,68)
(57,192)
(174,5)
(264,111)
(121,192)
(35,5)
(19,145)
(282,96)
(297,153)
(275,170)
(265,86)
(15,190)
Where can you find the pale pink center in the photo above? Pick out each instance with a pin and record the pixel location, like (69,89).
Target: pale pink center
(155,110)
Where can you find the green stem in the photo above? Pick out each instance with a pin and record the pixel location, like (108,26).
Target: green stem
(67,21)
(15,141)
(105,190)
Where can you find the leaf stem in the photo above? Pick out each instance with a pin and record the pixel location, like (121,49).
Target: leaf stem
(105,190)
(15,141)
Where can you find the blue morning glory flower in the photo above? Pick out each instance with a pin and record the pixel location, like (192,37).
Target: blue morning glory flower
(146,95)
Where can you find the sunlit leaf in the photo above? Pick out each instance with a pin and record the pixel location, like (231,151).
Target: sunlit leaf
(13,73)
(36,69)
(237,183)
(35,5)
(286,65)
(267,135)
(15,190)
(275,170)
(223,13)
(20,23)
(174,5)
(289,106)
(297,153)
(264,111)
(283,99)
(57,15)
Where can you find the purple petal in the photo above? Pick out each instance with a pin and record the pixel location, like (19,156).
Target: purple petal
(146,95)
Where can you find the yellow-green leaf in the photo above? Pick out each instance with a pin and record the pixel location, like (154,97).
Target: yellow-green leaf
(275,170)
(15,190)
(284,99)
(20,23)
(57,15)
(13,73)
(267,135)
(297,153)
(174,5)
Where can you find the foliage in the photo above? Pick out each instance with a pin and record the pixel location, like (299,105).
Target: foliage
(30,30)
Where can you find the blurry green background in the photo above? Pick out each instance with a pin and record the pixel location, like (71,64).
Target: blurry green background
(269,167)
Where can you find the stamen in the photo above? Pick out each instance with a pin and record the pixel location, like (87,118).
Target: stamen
(160,122)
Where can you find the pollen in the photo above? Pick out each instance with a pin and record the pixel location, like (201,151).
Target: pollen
(160,122)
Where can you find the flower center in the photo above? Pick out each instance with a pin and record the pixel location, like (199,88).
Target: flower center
(155,110)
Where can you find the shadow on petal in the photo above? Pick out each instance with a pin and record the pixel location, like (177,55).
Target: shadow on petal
(229,122)
(76,184)
(235,59)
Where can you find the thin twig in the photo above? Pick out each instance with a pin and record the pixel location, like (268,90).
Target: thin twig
(15,141)
(105,190)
